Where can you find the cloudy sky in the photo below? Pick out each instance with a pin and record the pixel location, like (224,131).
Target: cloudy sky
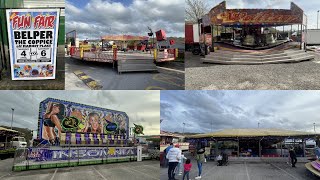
(207,111)
(95,18)
(310,7)
(142,107)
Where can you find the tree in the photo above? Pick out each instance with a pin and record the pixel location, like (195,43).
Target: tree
(195,9)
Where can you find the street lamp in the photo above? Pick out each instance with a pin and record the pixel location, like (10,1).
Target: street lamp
(183,128)
(12,117)
(314,127)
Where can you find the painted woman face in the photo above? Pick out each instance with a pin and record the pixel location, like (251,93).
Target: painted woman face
(94,121)
(55,109)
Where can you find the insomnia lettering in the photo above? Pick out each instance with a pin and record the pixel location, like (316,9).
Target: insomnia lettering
(91,153)
(33,35)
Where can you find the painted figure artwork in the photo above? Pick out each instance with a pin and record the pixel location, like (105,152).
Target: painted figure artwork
(58,116)
(52,129)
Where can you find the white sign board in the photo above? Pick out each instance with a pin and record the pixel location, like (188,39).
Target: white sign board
(33,36)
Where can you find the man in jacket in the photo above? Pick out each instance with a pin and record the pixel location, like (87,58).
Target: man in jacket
(293,156)
(173,156)
(166,162)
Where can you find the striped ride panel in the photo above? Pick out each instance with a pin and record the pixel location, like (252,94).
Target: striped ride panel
(92,139)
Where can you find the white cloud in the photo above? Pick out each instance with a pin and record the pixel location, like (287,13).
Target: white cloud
(142,107)
(100,18)
(206,111)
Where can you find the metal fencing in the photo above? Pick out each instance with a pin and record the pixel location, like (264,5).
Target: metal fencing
(111,56)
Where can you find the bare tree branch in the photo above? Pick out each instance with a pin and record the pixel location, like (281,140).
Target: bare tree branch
(195,9)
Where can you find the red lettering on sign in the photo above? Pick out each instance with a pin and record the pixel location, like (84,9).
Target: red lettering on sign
(21,22)
(44,22)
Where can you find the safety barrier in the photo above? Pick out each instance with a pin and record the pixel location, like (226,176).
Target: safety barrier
(114,55)
(99,56)
(126,61)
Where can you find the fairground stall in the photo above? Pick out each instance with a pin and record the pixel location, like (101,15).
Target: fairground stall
(255,28)
(261,143)
(6,146)
(253,36)
(73,134)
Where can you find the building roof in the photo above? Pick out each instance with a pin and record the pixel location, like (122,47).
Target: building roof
(169,134)
(124,38)
(235,133)
(5,129)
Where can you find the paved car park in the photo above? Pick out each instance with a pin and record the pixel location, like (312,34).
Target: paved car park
(170,76)
(127,170)
(286,76)
(241,170)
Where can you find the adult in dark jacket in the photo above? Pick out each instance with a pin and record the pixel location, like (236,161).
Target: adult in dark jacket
(293,156)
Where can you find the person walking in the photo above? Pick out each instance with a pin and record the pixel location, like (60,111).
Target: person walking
(166,162)
(200,157)
(293,156)
(187,168)
(173,156)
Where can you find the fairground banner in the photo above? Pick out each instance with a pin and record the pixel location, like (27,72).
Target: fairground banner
(219,15)
(33,35)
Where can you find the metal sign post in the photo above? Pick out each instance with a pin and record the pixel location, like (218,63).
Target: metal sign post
(139,153)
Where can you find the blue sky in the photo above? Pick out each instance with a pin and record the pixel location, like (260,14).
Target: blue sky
(83,3)
(95,18)
(207,111)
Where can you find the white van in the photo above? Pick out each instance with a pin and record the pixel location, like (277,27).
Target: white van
(17,142)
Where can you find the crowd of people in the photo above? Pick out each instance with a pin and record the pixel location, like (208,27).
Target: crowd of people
(175,162)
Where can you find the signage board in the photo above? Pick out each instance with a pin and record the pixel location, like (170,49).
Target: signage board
(33,36)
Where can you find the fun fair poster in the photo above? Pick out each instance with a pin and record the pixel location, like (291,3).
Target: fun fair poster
(33,36)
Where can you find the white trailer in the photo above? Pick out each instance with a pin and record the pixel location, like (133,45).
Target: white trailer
(313,37)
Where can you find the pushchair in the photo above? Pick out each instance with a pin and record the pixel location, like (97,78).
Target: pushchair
(223,160)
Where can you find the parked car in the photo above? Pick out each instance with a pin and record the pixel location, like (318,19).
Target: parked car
(18,142)
(154,153)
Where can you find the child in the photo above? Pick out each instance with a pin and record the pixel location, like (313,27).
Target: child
(178,169)
(187,168)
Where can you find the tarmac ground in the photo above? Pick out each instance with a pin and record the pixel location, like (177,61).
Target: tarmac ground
(243,170)
(170,76)
(127,170)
